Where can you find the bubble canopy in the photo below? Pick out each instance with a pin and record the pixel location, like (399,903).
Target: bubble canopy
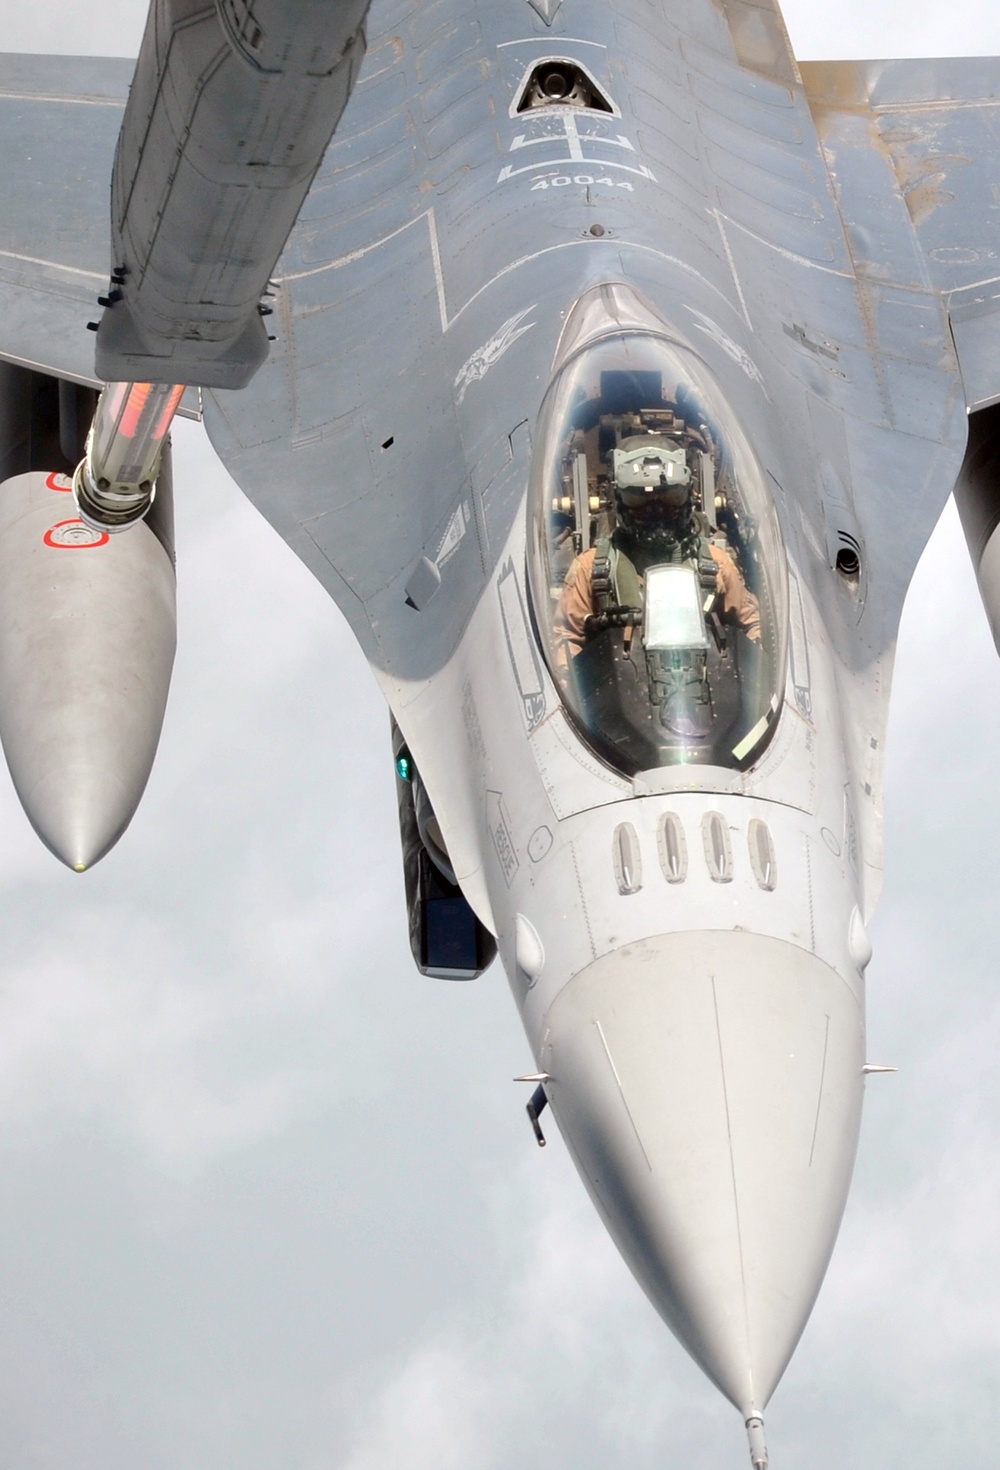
(657,574)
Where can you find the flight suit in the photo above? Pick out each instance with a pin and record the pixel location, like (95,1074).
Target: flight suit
(577,601)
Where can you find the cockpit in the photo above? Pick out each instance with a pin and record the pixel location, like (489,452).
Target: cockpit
(655,561)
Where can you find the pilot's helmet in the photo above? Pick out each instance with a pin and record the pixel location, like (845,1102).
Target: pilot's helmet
(652,484)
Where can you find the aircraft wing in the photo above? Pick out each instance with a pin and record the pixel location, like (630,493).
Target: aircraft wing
(59,122)
(934,127)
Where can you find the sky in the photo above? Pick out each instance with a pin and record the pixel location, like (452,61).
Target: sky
(269,1198)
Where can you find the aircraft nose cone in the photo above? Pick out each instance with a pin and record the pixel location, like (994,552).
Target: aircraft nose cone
(709,1086)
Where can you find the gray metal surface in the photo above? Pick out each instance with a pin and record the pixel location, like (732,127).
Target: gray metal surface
(936,126)
(228,115)
(709,1086)
(699,1020)
(56,111)
(459,234)
(59,122)
(431,225)
(87,637)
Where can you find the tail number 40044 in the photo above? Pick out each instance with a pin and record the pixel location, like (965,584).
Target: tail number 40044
(560,181)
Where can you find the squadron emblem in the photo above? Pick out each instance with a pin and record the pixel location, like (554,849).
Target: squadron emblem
(479,364)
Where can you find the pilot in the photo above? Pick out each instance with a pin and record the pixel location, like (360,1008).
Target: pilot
(657,523)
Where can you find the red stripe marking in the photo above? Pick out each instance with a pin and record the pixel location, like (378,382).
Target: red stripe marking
(102,537)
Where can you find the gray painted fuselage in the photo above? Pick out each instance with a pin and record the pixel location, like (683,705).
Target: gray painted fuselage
(696,1008)
(704,1039)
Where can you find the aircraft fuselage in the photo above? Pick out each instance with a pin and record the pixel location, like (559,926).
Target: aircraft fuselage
(685,941)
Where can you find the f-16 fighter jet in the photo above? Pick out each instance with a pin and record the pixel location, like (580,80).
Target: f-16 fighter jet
(610,370)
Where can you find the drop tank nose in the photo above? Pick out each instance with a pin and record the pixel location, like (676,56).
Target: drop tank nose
(87,634)
(709,1086)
